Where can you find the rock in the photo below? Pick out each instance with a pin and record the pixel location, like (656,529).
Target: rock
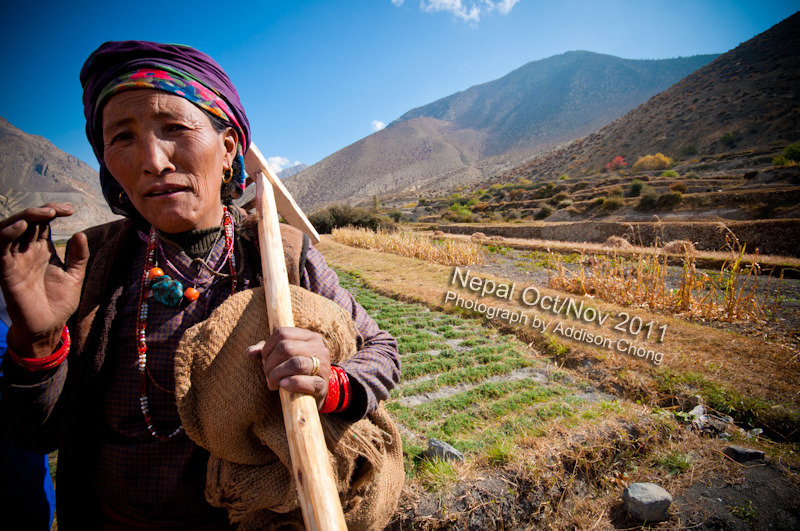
(442,450)
(698,411)
(647,502)
(740,454)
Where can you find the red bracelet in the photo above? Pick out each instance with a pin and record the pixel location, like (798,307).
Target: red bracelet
(345,381)
(43,364)
(332,399)
(338,391)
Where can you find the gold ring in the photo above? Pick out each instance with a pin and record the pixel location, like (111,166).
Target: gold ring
(316,366)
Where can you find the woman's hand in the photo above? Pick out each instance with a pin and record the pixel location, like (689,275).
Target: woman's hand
(287,361)
(40,291)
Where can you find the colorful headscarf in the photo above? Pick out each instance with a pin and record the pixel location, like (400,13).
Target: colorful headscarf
(117,66)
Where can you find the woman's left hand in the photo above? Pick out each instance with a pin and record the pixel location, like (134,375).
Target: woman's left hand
(286,357)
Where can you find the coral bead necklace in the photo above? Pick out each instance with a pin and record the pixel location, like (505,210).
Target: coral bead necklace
(169,292)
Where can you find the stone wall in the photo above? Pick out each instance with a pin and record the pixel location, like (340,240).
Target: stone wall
(779,237)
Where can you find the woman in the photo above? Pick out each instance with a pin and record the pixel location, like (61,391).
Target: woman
(169,131)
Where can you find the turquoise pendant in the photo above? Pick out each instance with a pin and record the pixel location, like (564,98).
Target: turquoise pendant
(167,291)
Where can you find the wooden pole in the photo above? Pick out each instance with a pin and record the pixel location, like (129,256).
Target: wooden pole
(311,466)
(255,162)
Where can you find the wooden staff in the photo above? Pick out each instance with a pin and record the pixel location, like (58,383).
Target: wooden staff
(311,466)
(255,162)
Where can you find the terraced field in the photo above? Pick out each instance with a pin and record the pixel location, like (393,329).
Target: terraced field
(469,385)
(545,445)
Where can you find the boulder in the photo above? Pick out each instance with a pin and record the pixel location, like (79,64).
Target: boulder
(442,450)
(647,502)
(740,454)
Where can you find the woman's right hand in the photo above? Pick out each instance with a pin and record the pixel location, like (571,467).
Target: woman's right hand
(41,292)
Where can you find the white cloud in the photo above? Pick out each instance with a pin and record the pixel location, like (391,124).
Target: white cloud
(281,163)
(504,6)
(468,10)
(398,3)
(377,125)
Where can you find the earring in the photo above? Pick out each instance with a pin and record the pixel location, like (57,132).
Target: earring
(122,197)
(227,175)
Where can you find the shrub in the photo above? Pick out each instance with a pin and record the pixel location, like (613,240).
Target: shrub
(678,186)
(512,214)
(693,175)
(792,152)
(648,200)
(669,199)
(458,214)
(780,160)
(343,215)
(598,201)
(636,187)
(395,215)
(659,161)
(616,164)
(558,198)
(689,149)
(612,203)
(564,204)
(615,191)
(544,212)
(545,190)
(524,182)
(563,177)
(727,139)
(670,173)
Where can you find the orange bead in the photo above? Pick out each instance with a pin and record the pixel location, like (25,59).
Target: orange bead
(155,273)
(191,294)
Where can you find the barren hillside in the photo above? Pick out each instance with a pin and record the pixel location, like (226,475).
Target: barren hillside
(474,134)
(745,99)
(33,172)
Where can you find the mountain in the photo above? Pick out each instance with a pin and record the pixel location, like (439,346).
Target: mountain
(746,99)
(33,172)
(473,134)
(294,170)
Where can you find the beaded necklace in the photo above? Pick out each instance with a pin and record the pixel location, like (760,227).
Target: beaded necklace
(151,275)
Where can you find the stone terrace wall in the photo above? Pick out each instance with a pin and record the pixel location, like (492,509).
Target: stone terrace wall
(780,237)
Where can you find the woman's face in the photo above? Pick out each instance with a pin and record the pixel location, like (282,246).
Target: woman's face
(168,158)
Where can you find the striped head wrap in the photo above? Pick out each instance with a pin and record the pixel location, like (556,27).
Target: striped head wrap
(117,66)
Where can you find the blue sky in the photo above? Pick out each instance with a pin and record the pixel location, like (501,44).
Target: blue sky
(317,76)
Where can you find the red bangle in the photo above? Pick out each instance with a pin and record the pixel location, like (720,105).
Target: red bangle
(43,364)
(332,399)
(345,381)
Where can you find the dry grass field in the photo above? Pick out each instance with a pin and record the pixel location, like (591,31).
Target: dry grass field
(553,427)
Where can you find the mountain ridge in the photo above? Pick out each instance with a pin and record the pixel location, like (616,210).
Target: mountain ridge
(749,93)
(472,134)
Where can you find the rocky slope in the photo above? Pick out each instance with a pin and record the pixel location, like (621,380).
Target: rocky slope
(33,172)
(745,99)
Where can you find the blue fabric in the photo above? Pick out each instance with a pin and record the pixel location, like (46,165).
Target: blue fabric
(27,494)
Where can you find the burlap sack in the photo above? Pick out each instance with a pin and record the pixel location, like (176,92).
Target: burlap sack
(225,407)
